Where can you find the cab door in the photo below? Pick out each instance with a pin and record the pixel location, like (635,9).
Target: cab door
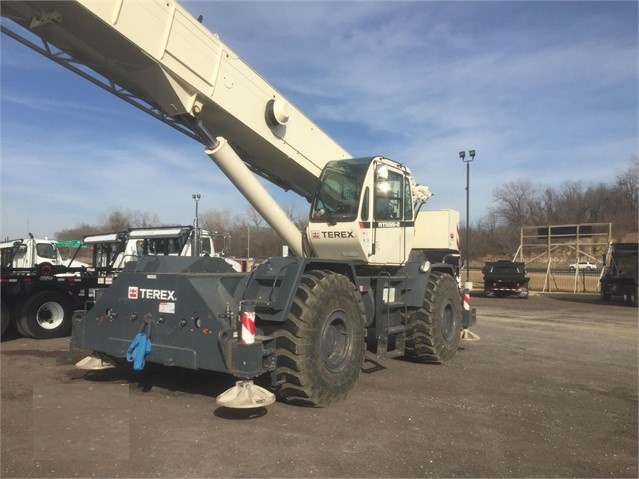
(392,213)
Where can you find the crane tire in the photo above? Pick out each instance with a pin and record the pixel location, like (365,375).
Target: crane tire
(434,330)
(320,348)
(5,318)
(45,315)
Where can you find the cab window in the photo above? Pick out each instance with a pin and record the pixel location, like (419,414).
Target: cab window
(389,197)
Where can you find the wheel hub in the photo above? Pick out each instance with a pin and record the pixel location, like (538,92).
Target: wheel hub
(50,315)
(336,342)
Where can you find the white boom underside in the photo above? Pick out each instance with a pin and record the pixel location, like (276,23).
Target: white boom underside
(155,55)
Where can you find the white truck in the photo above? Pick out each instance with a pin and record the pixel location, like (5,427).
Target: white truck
(355,275)
(116,249)
(30,253)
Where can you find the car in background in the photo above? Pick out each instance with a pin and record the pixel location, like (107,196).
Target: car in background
(583,266)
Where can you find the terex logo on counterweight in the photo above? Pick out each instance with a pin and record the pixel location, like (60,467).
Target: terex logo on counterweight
(146,293)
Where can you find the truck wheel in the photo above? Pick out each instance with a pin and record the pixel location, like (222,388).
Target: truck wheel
(5,319)
(434,330)
(16,308)
(630,295)
(46,314)
(320,348)
(45,269)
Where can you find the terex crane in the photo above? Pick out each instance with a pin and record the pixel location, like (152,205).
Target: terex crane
(358,273)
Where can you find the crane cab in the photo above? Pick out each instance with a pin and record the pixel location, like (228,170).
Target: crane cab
(363,211)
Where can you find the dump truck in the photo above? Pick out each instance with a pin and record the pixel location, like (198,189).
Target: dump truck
(354,277)
(505,278)
(619,274)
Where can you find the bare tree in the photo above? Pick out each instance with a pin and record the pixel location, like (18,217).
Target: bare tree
(628,183)
(119,219)
(221,221)
(516,203)
(78,232)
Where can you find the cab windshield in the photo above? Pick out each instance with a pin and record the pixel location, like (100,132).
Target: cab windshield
(338,193)
(46,250)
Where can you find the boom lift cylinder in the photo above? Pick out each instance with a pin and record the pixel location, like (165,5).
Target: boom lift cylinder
(239,174)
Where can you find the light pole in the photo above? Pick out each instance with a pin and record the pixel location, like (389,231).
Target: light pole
(471,157)
(248,242)
(196,238)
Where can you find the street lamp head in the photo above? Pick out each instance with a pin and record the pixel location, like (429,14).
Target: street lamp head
(196,196)
(462,154)
(471,153)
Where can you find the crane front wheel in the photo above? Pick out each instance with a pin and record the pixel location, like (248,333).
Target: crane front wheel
(434,330)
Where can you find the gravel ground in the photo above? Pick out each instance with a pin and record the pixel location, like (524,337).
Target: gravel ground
(550,390)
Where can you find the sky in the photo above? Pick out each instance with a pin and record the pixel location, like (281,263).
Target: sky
(545,91)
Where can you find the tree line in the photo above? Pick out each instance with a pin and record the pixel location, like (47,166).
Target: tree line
(524,203)
(515,204)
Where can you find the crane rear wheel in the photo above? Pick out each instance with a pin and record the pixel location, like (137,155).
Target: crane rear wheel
(320,348)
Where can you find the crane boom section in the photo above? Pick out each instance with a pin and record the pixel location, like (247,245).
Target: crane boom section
(156,52)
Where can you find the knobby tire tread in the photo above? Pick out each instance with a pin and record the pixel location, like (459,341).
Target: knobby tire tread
(425,342)
(307,381)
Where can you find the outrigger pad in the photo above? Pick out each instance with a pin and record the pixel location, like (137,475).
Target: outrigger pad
(245,395)
(94,363)
(468,335)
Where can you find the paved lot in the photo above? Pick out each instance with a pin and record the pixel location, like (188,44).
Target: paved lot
(550,390)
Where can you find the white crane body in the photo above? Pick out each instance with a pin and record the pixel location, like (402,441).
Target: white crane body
(355,268)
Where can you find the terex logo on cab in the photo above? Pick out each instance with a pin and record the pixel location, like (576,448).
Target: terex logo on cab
(145,293)
(337,234)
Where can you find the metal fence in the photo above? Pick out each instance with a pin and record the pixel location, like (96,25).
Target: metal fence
(554,280)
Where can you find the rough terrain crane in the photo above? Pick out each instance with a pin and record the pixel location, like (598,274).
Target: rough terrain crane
(358,274)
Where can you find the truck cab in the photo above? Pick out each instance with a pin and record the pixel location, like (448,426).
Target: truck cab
(29,253)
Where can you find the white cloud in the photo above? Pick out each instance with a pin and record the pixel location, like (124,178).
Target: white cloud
(540,89)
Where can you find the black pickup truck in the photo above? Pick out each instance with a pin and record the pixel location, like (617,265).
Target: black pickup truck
(505,278)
